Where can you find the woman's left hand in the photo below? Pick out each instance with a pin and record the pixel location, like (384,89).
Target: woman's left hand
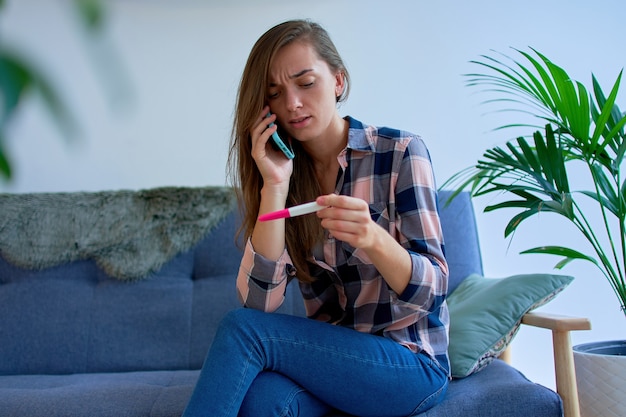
(348,219)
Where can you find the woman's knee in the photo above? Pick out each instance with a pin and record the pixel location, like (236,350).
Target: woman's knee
(238,319)
(242,325)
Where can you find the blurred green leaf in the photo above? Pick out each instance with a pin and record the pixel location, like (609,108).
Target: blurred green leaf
(5,166)
(15,79)
(91,13)
(18,78)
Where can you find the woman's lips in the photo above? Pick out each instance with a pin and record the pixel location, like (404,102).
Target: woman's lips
(299,122)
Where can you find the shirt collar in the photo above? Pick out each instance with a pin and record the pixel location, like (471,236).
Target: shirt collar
(359,136)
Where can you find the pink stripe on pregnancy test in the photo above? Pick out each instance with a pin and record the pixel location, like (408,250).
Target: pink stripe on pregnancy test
(294,211)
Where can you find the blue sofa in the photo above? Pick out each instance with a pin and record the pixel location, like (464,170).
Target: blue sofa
(80,338)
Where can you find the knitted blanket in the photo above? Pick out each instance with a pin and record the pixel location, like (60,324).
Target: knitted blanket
(129,234)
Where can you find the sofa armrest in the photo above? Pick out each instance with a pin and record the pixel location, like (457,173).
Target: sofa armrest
(563,356)
(556,322)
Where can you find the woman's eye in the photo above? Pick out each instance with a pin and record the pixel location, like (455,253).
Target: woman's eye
(306,85)
(272,96)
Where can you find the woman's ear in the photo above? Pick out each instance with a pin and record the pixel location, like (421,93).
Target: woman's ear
(340,84)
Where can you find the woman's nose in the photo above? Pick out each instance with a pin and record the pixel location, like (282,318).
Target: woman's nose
(293,101)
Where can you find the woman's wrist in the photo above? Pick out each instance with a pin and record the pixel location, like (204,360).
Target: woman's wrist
(274,196)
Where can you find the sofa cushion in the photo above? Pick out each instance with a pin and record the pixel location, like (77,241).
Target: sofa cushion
(151,393)
(74,318)
(498,390)
(486,313)
(165,393)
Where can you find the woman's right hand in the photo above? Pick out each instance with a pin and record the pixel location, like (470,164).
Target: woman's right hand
(268,238)
(274,167)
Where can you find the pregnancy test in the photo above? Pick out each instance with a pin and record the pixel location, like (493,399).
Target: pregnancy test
(299,210)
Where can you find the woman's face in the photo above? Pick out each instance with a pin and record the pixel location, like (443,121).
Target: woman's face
(302,92)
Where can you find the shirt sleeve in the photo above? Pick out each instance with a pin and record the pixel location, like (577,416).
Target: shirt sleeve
(261,283)
(420,231)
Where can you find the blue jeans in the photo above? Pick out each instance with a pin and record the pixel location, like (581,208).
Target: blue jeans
(267,364)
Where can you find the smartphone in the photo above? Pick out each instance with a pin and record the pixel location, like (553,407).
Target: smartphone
(280,143)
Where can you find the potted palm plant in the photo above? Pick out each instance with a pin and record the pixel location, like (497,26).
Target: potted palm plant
(534,174)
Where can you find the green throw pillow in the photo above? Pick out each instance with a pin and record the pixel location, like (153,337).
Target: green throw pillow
(485,314)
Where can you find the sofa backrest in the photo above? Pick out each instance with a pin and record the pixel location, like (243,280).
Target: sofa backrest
(460,237)
(74,318)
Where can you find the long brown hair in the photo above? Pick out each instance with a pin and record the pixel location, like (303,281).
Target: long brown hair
(304,232)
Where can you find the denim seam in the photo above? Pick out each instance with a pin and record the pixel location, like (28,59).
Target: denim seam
(426,400)
(344,354)
(289,400)
(244,371)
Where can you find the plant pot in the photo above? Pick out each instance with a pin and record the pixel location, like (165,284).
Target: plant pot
(601,378)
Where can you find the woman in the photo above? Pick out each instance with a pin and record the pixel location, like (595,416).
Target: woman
(370,265)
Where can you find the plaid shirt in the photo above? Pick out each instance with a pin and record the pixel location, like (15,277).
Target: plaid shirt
(391,170)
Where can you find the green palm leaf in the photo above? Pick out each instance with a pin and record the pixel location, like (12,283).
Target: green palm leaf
(568,254)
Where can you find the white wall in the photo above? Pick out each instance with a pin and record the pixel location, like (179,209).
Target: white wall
(182,61)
